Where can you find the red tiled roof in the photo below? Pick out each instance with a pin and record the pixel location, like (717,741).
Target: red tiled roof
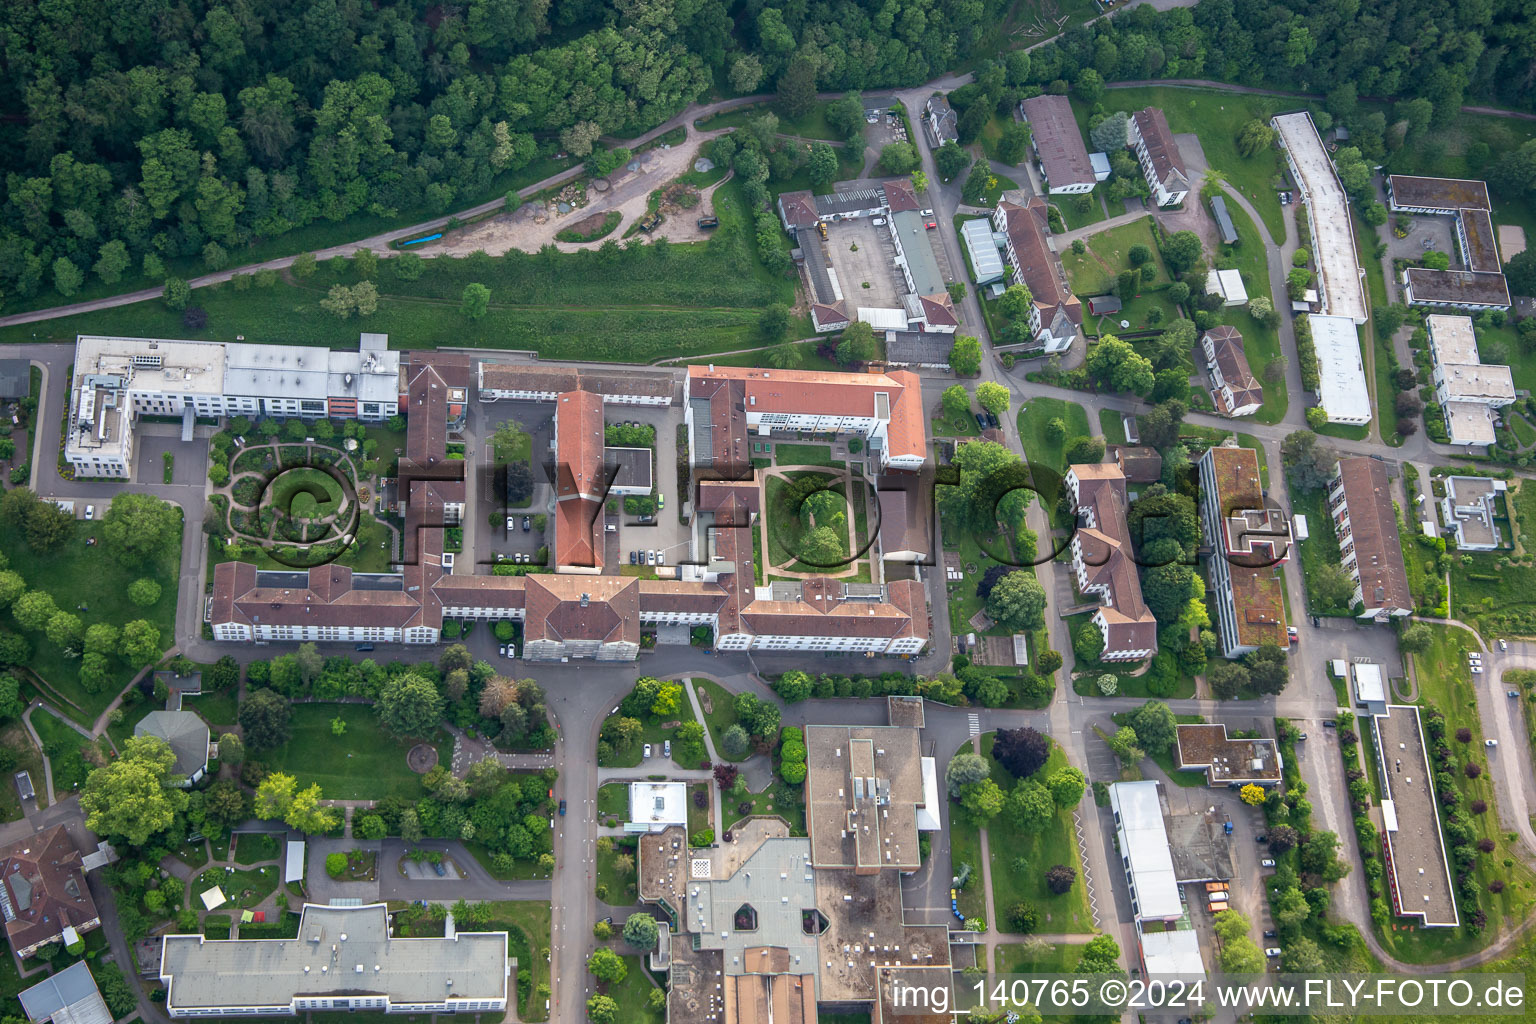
(578,533)
(45,887)
(579,437)
(1373,531)
(939,310)
(1162,150)
(1035,266)
(1106,550)
(567,607)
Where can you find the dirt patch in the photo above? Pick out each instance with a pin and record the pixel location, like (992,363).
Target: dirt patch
(587,225)
(421,758)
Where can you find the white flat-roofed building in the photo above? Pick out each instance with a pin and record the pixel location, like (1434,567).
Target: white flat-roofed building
(1467,389)
(1469,507)
(1370,686)
(1168,953)
(1339,277)
(981,246)
(1229,285)
(653,806)
(117,380)
(1145,856)
(1341,373)
(343,959)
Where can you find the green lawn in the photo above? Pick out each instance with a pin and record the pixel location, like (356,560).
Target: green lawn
(1376,291)
(1033,418)
(631,994)
(1523,431)
(217,709)
(613,800)
(364,763)
(720,714)
(1444,683)
(243,888)
(812,126)
(1020,860)
(1073,217)
(809,356)
(66,752)
(1496,598)
(804,455)
(1112,425)
(1060,958)
(306,493)
(13,737)
(779,797)
(80,575)
(787,526)
(1112,245)
(647,302)
(256,847)
(528,937)
(1321,547)
(1261,343)
(1216,117)
(620,885)
(1085,274)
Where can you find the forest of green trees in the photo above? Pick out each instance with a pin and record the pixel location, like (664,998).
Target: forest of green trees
(146,131)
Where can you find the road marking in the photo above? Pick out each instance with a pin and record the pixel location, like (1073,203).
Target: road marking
(975,724)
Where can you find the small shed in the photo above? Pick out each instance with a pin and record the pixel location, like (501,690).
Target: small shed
(293,864)
(1224,223)
(1103,305)
(1299,527)
(15,379)
(68,997)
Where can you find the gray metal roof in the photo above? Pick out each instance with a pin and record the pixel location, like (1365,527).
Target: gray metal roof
(1223,220)
(68,997)
(15,378)
(926,279)
(185,732)
(778,884)
(339,951)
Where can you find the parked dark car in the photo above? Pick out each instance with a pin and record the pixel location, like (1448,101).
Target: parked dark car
(1261,839)
(1271,935)
(562,808)
(362,647)
(527,524)
(442,872)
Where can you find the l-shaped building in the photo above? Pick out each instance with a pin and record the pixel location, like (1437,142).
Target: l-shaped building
(575,611)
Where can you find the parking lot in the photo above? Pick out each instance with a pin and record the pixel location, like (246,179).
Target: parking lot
(864,258)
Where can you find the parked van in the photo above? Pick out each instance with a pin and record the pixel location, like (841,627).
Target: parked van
(1215,886)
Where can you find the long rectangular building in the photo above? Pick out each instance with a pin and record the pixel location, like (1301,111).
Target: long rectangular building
(1360,504)
(1059,148)
(1057,313)
(1340,285)
(343,959)
(1342,391)
(1103,562)
(1411,838)
(117,380)
(1249,538)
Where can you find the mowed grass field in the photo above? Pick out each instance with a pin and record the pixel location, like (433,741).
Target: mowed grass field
(364,763)
(1261,343)
(89,582)
(1216,117)
(645,302)
(1036,414)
